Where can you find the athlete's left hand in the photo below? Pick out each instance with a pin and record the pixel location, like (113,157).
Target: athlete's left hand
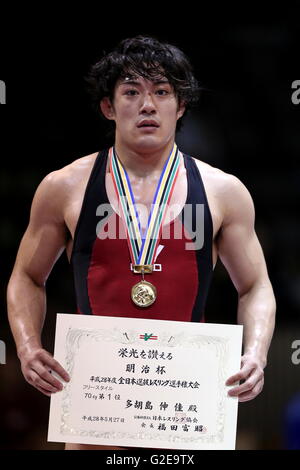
(252,377)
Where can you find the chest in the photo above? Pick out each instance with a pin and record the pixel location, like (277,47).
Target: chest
(144,190)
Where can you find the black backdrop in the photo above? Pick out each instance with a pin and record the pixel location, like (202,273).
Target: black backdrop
(246,124)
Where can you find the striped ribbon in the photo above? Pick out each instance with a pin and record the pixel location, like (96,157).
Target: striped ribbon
(143,247)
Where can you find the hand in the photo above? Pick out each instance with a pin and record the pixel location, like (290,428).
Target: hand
(37,365)
(252,375)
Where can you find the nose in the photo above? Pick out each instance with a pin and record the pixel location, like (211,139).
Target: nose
(148,105)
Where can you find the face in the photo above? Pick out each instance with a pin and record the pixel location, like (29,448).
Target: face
(145,113)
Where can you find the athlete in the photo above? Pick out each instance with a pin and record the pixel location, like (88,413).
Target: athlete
(143,88)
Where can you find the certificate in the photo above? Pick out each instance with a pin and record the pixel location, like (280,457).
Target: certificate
(145,383)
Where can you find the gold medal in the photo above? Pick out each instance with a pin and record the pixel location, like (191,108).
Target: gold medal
(143,294)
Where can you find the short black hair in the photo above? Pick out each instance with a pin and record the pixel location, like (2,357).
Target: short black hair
(147,57)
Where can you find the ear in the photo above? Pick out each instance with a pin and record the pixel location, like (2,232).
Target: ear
(107,108)
(180,109)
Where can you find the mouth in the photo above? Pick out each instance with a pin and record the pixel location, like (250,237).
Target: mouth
(148,124)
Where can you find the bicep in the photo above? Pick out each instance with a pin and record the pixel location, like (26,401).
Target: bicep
(38,252)
(238,245)
(45,237)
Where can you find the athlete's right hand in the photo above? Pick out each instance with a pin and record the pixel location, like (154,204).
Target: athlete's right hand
(37,365)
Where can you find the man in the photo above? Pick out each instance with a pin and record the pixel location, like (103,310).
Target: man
(143,87)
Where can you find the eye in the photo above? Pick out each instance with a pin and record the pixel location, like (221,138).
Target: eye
(162,92)
(131,92)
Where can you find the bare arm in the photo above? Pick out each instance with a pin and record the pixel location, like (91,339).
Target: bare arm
(242,256)
(42,244)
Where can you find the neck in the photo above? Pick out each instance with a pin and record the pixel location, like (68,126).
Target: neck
(145,162)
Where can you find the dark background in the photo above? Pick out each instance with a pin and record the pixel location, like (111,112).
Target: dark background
(245,124)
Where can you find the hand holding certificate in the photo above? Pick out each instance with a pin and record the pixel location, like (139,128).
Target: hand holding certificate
(145,383)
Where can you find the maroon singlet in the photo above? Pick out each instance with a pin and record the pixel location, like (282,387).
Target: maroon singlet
(102,275)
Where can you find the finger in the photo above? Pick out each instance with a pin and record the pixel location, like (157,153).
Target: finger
(247,386)
(50,362)
(45,392)
(36,380)
(241,375)
(247,396)
(44,373)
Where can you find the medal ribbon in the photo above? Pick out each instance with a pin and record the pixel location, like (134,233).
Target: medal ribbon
(143,247)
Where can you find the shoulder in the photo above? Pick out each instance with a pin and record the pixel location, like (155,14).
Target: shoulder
(229,192)
(67,176)
(65,179)
(57,188)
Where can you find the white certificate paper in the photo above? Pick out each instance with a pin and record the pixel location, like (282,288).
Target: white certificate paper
(145,383)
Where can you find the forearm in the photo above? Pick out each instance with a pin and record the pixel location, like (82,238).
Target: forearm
(26,302)
(26,313)
(256,312)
